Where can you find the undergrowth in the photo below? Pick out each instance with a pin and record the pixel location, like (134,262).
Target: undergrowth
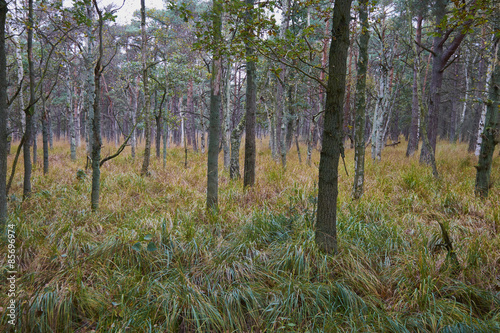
(152,259)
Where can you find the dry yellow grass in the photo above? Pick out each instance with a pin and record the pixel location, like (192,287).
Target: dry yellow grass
(254,266)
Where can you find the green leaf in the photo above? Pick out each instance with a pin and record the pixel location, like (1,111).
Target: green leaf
(152,247)
(137,246)
(148,237)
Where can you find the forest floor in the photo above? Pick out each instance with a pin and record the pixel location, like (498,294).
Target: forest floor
(153,260)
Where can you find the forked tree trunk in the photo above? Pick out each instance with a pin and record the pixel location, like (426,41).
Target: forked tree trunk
(326,225)
(439,64)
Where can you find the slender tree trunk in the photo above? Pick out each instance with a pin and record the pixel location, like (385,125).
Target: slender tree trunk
(147,97)
(203,130)
(326,225)
(482,120)
(296,131)
(310,140)
(214,127)
(491,133)
(3,119)
(45,135)
(30,112)
(71,118)
(479,107)
(234,169)
(466,98)
(359,126)
(20,68)
(415,116)
(226,135)
(134,101)
(96,120)
(89,79)
(251,106)
(165,135)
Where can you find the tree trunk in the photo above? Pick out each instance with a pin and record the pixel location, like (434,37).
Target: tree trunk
(234,168)
(326,225)
(214,127)
(482,120)
(147,97)
(30,112)
(71,120)
(16,33)
(359,126)
(251,106)
(226,135)
(310,140)
(415,116)
(89,80)
(96,120)
(440,59)
(479,107)
(491,133)
(3,119)
(45,135)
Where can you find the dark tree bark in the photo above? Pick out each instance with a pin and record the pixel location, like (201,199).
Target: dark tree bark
(415,116)
(3,119)
(214,127)
(359,127)
(30,111)
(251,105)
(441,55)
(96,120)
(491,133)
(326,225)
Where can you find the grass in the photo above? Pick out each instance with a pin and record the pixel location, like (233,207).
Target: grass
(153,260)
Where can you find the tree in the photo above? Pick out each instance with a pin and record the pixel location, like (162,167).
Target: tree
(491,132)
(3,118)
(96,119)
(441,60)
(332,147)
(30,110)
(147,97)
(251,95)
(413,135)
(214,127)
(359,152)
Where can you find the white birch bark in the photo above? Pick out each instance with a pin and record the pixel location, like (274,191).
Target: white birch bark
(483,113)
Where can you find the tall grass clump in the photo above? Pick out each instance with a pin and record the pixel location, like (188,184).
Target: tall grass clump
(153,260)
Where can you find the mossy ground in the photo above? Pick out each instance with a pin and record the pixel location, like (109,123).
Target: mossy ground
(153,260)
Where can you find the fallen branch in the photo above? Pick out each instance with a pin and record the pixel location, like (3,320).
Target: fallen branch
(393,144)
